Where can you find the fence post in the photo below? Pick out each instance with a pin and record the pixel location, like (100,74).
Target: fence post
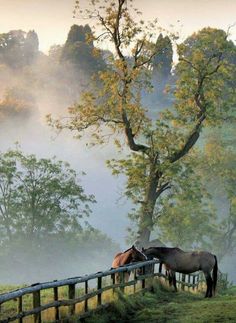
(20,308)
(36,304)
(143,280)
(99,286)
(72,296)
(183,281)
(86,292)
(55,292)
(122,281)
(135,280)
(113,278)
(160,267)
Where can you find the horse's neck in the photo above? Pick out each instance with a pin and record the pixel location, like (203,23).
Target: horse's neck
(164,252)
(126,258)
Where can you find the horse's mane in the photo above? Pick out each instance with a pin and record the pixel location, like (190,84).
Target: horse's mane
(127,250)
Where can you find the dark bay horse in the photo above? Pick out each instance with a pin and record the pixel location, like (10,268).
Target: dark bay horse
(128,256)
(178,260)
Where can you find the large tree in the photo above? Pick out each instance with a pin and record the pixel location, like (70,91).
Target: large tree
(156,146)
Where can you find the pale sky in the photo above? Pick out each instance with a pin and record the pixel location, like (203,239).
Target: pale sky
(51,19)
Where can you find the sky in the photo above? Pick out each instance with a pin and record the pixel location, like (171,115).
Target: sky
(51,19)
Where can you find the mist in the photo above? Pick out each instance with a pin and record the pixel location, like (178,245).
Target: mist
(48,85)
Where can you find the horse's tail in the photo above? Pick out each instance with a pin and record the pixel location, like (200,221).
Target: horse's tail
(214,275)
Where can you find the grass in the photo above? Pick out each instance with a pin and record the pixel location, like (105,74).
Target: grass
(165,306)
(162,305)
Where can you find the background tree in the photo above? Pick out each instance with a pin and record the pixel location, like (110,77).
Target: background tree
(31,47)
(116,104)
(39,197)
(218,169)
(18,48)
(43,222)
(17,103)
(79,50)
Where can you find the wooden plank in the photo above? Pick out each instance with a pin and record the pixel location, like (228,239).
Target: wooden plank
(75,280)
(99,287)
(57,312)
(71,296)
(143,280)
(86,300)
(135,279)
(122,280)
(36,305)
(113,278)
(20,309)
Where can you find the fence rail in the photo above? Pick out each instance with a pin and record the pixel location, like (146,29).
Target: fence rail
(144,280)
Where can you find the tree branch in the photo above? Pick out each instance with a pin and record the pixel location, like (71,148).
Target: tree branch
(130,136)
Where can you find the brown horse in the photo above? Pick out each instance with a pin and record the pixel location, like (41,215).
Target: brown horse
(128,256)
(188,262)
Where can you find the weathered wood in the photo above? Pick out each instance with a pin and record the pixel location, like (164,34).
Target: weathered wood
(20,308)
(135,279)
(86,300)
(36,305)
(99,287)
(71,296)
(143,280)
(72,300)
(57,312)
(122,280)
(75,280)
(113,278)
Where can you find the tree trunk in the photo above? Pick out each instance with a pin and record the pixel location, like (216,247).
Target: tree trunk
(147,211)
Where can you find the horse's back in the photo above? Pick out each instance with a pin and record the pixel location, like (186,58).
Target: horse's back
(116,260)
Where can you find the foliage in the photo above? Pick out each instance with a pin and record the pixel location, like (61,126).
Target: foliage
(17,103)
(219,173)
(162,62)
(18,48)
(39,197)
(79,52)
(116,104)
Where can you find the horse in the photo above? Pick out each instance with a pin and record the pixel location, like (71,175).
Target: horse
(188,262)
(128,256)
(169,273)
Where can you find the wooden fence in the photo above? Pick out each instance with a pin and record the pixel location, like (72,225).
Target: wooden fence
(78,292)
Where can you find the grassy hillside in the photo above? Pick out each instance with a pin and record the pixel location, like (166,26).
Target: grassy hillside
(165,306)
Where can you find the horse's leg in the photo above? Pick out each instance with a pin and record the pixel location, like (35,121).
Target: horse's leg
(170,277)
(174,281)
(209,284)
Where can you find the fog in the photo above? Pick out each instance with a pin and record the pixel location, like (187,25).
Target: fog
(53,87)
(54,90)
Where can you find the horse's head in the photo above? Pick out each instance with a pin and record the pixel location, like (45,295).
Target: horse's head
(137,255)
(147,253)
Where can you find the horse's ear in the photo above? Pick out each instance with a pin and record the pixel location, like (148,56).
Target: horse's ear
(133,247)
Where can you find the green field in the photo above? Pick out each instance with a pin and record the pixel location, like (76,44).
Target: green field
(166,306)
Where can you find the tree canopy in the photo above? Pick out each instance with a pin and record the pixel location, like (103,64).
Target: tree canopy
(157,146)
(39,197)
